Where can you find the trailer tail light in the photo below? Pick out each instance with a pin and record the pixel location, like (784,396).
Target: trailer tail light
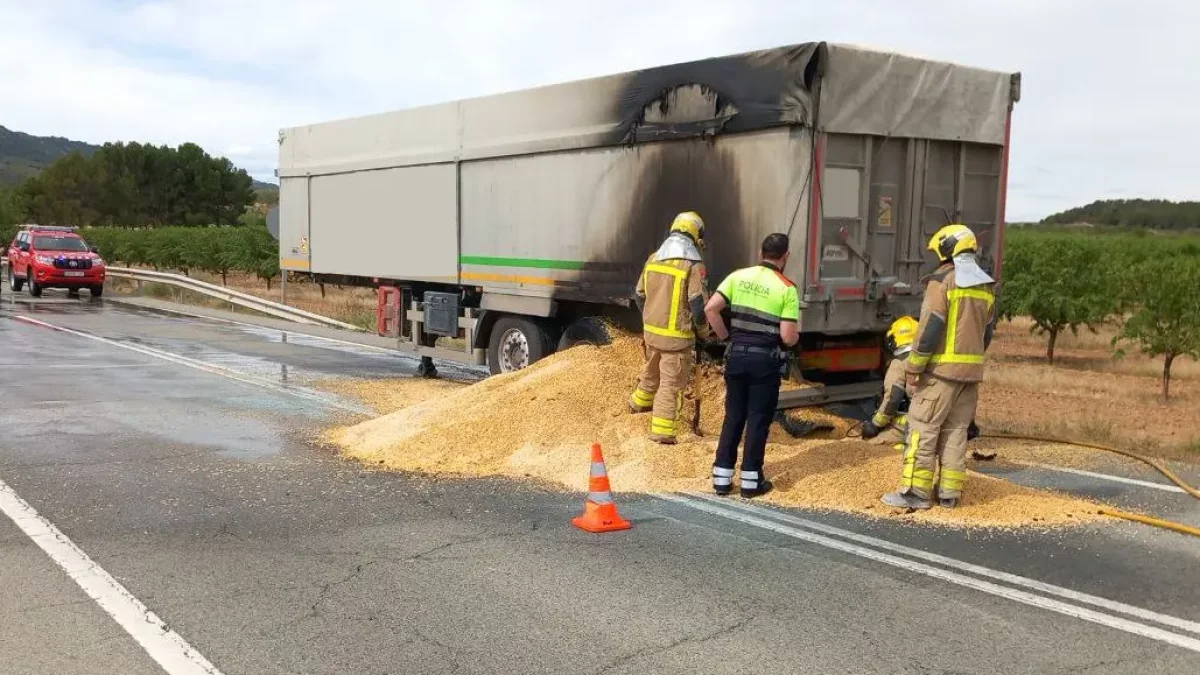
(842,360)
(387,312)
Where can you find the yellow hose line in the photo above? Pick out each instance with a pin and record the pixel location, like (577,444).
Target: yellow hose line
(1125,515)
(1156,522)
(1158,465)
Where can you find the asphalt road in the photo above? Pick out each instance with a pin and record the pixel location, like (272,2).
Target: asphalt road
(172,458)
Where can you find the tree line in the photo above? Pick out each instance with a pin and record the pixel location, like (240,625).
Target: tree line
(1158,214)
(133,185)
(216,250)
(1146,285)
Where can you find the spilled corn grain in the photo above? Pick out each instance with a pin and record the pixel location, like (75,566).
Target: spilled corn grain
(539,423)
(389,394)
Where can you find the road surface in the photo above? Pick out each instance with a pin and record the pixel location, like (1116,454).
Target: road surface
(169,511)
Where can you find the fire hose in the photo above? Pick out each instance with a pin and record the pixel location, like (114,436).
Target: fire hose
(1156,464)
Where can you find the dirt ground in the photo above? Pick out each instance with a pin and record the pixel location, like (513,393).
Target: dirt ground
(1088,395)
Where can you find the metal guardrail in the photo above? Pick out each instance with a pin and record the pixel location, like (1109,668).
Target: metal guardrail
(231,296)
(275,309)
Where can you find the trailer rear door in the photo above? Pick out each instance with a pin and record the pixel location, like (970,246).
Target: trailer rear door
(865,217)
(881,199)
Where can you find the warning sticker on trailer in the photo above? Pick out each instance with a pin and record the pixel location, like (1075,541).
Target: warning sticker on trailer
(885,212)
(835,253)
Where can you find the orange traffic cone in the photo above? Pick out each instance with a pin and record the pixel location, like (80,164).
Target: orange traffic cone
(600,511)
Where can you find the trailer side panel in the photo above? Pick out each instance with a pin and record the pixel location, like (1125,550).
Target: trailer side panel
(375,223)
(581,224)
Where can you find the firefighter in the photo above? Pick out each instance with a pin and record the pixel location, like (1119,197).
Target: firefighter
(892,409)
(764,312)
(671,293)
(943,372)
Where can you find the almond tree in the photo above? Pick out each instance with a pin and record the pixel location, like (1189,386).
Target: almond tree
(1061,282)
(1165,319)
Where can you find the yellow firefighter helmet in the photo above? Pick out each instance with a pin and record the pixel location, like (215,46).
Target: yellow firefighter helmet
(691,224)
(952,240)
(901,335)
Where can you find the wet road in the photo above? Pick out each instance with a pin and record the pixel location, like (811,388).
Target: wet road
(161,468)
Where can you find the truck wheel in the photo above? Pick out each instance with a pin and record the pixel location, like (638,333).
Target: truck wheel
(97,290)
(589,330)
(516,343)
(14,282)
(34,289)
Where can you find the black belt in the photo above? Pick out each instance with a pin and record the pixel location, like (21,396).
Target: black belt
(751,349)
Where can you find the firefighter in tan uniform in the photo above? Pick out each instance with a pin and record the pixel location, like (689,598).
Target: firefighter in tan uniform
(943,372)
(671,293)
(890,423)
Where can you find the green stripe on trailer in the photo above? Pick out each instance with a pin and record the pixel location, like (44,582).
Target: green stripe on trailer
(537,263)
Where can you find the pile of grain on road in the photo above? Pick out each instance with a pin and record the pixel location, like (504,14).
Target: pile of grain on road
(540,422)
(388,395)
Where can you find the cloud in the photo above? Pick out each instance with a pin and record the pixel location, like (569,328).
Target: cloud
(1108,94)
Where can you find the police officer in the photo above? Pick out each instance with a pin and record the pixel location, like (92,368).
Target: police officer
(944,370)
(764,310)
(671,293)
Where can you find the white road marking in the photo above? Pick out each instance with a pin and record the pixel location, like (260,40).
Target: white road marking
(743,515)
(1007,577)
(204,366)
(1107,476)
(74,366)
(163,644)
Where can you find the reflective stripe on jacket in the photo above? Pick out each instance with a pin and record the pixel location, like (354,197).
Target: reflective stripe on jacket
(674,293)
(760,298)
(955,329)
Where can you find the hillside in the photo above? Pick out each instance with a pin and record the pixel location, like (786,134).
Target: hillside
(23,155)
(1153,214)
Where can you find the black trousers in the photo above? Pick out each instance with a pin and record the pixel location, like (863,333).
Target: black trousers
(752,382)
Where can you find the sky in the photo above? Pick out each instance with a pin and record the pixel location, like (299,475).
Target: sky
(1110,89)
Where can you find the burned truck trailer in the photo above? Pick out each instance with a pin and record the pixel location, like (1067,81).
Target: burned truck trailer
(508,221)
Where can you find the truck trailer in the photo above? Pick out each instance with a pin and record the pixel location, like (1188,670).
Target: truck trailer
(498,229)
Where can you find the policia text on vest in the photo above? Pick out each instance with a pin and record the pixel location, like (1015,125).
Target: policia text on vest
(764,310)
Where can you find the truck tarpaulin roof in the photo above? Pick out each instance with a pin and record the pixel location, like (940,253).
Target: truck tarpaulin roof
(860,91)
(836,88)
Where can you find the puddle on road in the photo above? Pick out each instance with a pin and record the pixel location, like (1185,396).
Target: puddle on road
(334,360)
(237,435)
(452,370)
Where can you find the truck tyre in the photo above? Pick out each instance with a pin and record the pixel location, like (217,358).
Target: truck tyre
(14,282)
(516,343)
(589,330)
(34,289)
(97,290)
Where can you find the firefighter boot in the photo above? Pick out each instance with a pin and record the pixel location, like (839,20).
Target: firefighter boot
(906,500)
